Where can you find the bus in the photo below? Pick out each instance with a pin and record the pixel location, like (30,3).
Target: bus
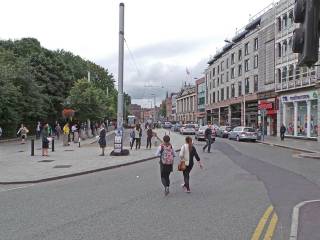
(131,121)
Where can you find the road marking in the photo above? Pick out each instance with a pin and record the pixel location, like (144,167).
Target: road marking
(272,227)
(257,233)
(16,188)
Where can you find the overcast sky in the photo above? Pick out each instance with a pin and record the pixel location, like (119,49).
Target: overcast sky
(165,36)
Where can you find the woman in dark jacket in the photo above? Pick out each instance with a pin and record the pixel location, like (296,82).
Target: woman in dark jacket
(102,139)
(45,140)
(187,153)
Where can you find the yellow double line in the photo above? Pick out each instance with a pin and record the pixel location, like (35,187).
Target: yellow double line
(262,224)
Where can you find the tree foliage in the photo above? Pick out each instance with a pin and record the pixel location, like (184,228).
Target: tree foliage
(36,82)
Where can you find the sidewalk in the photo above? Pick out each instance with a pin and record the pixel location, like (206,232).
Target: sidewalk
(17,166)
(310,149)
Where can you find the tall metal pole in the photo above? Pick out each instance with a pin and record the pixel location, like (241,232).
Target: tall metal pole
(120,68)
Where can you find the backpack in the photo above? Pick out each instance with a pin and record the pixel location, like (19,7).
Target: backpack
(166,156)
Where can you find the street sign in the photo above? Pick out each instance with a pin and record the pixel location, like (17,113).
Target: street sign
(263,111)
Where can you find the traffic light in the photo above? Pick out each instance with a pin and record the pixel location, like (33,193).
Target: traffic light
(306,37)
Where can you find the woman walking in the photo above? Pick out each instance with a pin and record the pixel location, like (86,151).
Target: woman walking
(138,135)
(149,136)
(23,131)
(45,140)
(102,139)
(166,154)
(187,153)
(132,138)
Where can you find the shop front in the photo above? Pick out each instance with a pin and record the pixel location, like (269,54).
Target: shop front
(270,119)
(235,115)
(215,116)
(224,116)
(251,113)
(300,114)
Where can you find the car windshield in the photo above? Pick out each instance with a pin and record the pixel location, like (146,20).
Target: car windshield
(203,128)
(248,130)
(189,126)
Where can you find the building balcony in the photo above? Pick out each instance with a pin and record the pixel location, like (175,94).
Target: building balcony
(295,84)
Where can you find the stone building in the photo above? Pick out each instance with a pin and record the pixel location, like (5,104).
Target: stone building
(186,104)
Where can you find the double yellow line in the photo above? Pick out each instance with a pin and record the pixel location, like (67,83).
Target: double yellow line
(262,225)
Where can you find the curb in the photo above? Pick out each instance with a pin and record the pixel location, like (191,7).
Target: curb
(295,219)
(287,147)
(82,173)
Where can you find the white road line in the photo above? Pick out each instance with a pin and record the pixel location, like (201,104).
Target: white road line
(16,188)
(295,218)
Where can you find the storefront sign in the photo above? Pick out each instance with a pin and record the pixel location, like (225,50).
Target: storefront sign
(265,105)
(300,97)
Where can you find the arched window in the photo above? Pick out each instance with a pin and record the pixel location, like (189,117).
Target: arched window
(284,74)
(284,48)
(291,17)
(279,24)
(290,45)
(291,72)
(284,21)
(279,50)
(279,75)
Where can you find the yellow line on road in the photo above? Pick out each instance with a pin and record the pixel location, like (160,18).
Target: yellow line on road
(272,227)
(257,233)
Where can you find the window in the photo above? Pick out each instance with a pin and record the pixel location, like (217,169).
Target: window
(279,50)
(284,48)
(232,73)
(218,96)
(246,49)
(239,70)
(256,44)
(222,94)
(290,44)
(227,77)
(255,62)
(218,69)
(210,98)
(221,78)
(218,81)
(297,72)
(232,90)
(214,97)
(227,63)
(279,75)
(247,86)
(304,71)
(209,85)
(210,74)
(240,88)
(240,55)
(290,72)
(284,74)
(291,18)
(255,83)
(284,21)
(213,72)
(232,58)
(246,65)
(221,65)
(279,24)
(213,83)
(228,89)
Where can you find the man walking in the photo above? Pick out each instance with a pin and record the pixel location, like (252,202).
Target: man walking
(208,137)
(282,131)
(149,136)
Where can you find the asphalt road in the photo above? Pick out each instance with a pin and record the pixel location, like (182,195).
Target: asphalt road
(229,196)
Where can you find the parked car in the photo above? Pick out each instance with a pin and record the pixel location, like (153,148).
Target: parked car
(223,131)
(199,135)
(167,125)
(188,129)
(176,127)
(243,133)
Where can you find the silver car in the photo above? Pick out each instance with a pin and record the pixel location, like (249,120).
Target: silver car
(243,133)
(188,129)
(200,133)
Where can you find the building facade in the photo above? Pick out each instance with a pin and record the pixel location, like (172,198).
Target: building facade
(201,101)
(295,86)
(186,104)
(135,110)
(235,74)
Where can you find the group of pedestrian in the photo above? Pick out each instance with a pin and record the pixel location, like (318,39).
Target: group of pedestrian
(186,162)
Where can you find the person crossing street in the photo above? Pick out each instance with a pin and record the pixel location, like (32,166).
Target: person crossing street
(208,137)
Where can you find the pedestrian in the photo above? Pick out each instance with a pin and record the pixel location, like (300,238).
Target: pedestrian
(66,134)
(38,130)
(132,137)
(208,137)
(187,153)
(73,130)
(166,153)
(282,131)
(138,135)
(58,130)
(149,136)
(23,131)
(45,140)
(102,139)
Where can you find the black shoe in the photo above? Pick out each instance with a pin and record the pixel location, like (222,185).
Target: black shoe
(166,191)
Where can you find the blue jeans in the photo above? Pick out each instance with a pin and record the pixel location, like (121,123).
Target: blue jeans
(208,144)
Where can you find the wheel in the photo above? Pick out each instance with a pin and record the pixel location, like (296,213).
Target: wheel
(238,139)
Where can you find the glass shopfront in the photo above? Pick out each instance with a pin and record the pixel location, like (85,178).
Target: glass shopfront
(300,114)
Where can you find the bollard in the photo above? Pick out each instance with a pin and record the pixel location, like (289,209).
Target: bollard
(79,141)
(52,145)
(32,147)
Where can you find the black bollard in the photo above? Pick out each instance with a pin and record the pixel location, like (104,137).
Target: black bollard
(32,147)
(52,147)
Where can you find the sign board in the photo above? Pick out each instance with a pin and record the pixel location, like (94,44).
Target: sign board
(118,142)
(300,97)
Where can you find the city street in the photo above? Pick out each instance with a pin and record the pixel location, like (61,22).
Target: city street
(245,191)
